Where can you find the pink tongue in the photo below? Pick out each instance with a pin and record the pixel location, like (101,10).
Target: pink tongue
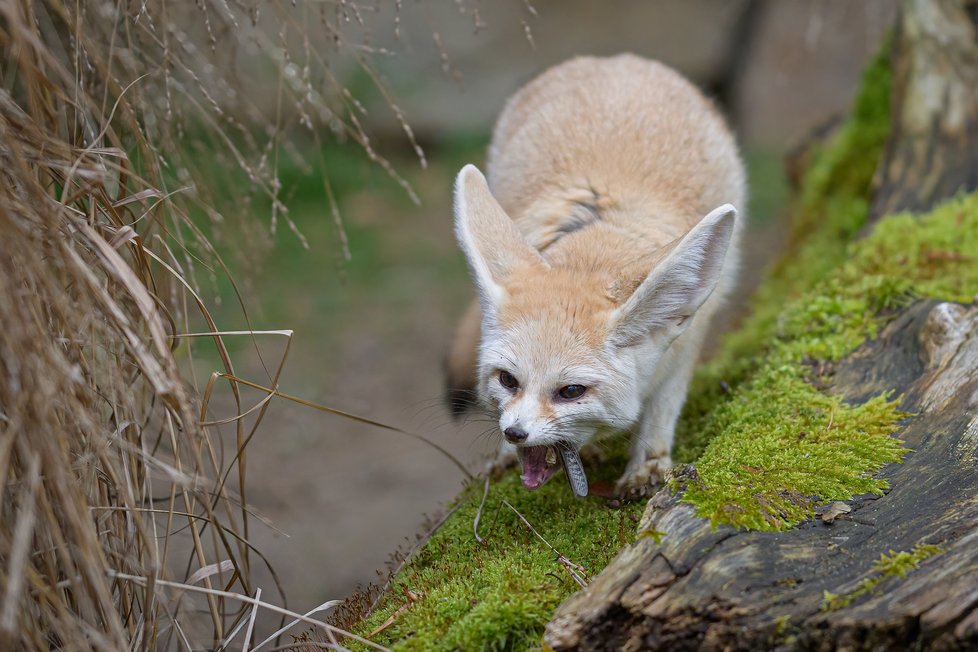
(536,471)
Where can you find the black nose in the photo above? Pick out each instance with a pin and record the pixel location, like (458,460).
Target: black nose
(515,435)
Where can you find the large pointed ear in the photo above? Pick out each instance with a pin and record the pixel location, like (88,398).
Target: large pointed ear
(678,285)
(492,244)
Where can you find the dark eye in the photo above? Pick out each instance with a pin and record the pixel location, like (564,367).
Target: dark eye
(570,392)
(508,380)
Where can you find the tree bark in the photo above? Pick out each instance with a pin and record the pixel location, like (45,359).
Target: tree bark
(706,589)
(932,152)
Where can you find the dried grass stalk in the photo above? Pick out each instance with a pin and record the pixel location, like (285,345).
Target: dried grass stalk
(112,492)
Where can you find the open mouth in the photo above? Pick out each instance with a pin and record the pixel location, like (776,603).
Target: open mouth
(539,463)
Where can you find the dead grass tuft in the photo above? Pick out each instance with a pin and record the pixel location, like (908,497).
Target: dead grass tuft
(117,527)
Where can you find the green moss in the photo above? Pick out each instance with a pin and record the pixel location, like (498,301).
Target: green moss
(655,535)
(498,595)
(781,626)
(788,447)
(767,443)
(775,443)
(894,564)
(833,207)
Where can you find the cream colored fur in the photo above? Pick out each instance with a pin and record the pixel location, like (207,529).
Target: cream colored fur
(599,253)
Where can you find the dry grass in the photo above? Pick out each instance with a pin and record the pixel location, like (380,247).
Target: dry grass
(118,528)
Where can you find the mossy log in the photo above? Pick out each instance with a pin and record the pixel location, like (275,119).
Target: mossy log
(898,571)
(825,584)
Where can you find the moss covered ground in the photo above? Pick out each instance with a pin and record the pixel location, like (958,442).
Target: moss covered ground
(497,595)
(769,442)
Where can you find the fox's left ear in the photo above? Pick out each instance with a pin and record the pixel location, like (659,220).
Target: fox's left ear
(492,244)
(677,286)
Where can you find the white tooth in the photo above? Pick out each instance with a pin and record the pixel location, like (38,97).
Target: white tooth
(574,470)
(551,456)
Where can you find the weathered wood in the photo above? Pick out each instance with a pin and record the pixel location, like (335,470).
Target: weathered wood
(932,152)
(706,589)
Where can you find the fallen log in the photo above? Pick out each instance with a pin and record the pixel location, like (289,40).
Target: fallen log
(822,585)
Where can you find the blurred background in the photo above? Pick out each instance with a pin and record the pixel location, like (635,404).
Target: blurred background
(363,266)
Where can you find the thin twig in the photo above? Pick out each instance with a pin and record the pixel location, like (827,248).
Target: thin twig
(247,599)
(354,417)
(412,597)
(576,570)
(251,621)
(323,607)
(478,513)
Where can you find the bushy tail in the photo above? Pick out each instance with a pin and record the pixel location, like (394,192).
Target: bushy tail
(461,364)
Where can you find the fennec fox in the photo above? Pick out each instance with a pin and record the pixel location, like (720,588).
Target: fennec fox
(601,246)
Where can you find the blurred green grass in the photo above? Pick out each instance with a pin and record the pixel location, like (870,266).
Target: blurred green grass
(768,187)
(397,248)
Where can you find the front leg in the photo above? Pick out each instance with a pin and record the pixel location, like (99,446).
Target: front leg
(650,450)
(650,453)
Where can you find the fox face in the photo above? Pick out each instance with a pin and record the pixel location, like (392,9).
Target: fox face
(548,366)
(569,353)
(550,371)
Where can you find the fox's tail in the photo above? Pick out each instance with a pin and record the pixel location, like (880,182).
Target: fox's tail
(462,362)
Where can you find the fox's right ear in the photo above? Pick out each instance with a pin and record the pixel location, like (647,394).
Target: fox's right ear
(492,244)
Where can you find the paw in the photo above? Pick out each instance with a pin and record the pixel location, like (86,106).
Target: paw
(641,479)
(505,459)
